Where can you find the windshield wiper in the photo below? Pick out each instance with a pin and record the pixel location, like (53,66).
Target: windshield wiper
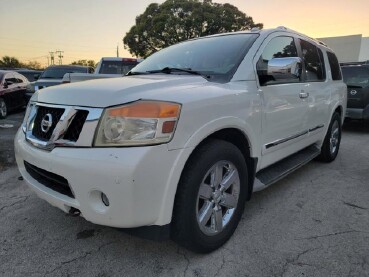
(136,73)
(168,70)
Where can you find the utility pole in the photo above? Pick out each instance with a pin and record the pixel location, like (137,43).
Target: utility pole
(51,58)
(118,50)
(60,56)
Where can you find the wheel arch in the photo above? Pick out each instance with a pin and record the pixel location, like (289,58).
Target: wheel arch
(339,110)
(234,133)
(241,141)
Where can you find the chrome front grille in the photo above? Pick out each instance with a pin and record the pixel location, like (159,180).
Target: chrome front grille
(55,114)
(48,126)
(75,127)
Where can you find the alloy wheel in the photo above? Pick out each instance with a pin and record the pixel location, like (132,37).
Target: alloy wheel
(218,197)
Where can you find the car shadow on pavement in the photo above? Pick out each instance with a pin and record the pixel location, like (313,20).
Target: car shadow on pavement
(356,126)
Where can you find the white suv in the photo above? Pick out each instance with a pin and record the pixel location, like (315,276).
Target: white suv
(180,144)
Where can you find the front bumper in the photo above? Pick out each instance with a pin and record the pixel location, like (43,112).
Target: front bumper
(358,113)
(136,180)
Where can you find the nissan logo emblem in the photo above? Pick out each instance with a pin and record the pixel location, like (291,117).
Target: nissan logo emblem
(353,92)
(46,123)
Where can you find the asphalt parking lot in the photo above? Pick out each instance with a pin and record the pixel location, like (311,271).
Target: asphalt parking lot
(313,223)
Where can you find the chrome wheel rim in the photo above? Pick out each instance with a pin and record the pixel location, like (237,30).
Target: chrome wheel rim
(217,198)
(334,139)
(2,108)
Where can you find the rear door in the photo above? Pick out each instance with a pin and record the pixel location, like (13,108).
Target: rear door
(20,93)
(10,90)
(317,87)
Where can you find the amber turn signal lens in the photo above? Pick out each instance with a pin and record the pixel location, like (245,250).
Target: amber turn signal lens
(168,127)
(147,109)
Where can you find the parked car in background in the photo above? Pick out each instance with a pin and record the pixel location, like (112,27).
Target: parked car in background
(356,78)
(53,75)
(181,143)
(12,91)
(106,68)
(30,74)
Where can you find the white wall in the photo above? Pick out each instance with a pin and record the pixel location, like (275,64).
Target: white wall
(347,48)
(364,51)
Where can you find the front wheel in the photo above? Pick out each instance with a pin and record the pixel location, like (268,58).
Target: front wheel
(332,140)
(3,109)
(211,196)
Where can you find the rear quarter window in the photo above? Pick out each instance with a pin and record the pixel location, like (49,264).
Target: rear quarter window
(335,66)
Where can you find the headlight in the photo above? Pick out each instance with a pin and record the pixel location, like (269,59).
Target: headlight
(139,123)
(26,116)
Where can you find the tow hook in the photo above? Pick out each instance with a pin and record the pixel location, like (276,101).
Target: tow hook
(74,212)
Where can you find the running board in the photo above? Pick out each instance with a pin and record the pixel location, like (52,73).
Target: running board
(281,169)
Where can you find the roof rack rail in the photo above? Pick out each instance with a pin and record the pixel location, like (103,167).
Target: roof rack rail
(322,43)
(282,27)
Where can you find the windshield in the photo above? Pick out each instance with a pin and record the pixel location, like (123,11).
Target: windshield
(116,67)
(216,57)
(356,76)
(59,72)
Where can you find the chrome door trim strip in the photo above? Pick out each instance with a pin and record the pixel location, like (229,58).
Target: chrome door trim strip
(316,128)
(280,141)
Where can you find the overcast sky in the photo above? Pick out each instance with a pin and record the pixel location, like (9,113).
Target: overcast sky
(90,29)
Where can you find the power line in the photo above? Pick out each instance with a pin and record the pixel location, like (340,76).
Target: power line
(60,56)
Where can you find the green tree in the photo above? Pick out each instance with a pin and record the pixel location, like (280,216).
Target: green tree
(85,63)
(10,62)
(162,25)
(33,65)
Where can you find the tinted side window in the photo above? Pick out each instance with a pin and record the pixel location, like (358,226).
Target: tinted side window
(314,65)
(335,66)
(19,78)
(279,47)
(9,78)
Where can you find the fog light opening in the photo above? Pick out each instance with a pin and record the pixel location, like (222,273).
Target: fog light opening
(105,199)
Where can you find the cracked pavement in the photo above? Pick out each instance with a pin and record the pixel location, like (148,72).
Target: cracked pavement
(315,222)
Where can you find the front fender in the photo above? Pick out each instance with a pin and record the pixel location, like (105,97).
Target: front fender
(191,144)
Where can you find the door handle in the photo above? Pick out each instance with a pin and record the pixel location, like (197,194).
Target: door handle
(304,94)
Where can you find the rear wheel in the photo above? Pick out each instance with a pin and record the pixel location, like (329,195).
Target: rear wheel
(332,140)
(3,108)
(210,197)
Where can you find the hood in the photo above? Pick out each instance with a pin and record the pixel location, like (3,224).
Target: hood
(109,92)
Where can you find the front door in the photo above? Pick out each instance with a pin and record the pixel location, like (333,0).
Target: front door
(285,111)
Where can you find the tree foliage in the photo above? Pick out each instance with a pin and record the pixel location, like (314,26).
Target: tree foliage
(85,63)
(33,65)
(162,25)
(12,62)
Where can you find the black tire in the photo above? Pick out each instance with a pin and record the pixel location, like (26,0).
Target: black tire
(328,152)
(186,229)
(3,109)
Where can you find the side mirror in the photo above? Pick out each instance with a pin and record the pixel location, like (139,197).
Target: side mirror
(36,76)
(285,68)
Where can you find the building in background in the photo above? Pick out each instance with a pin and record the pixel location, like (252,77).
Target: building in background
(354,48)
